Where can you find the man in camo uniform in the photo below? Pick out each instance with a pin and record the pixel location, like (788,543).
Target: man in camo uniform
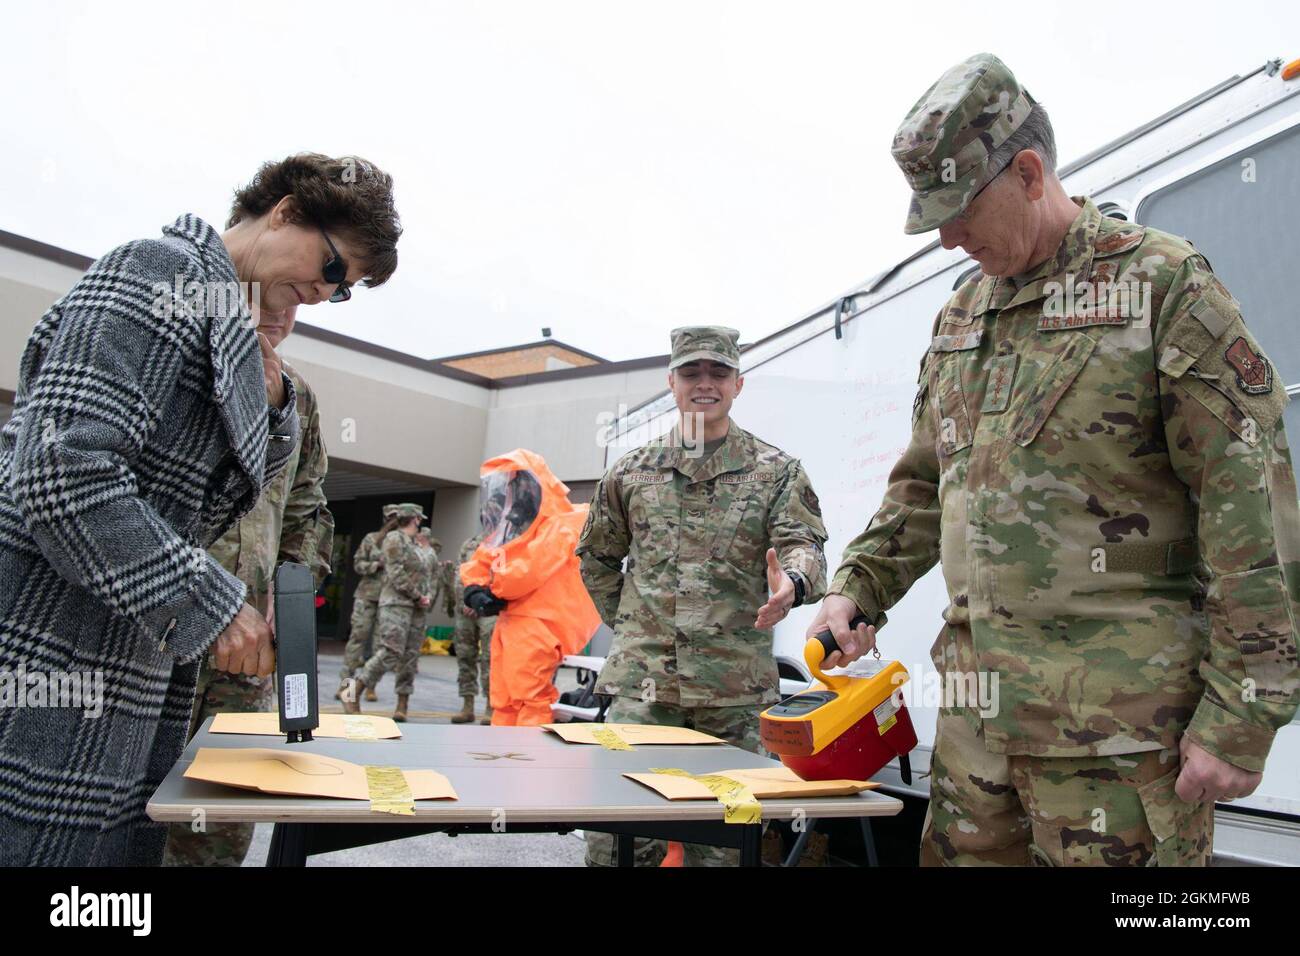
(723,534)
(473,644)
(369,564)
(430,583)
(405,594)
(1098,461)
(290,522)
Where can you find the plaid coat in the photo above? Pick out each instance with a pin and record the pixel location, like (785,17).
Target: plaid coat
(140,433)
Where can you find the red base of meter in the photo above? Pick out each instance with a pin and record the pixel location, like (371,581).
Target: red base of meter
(858,753)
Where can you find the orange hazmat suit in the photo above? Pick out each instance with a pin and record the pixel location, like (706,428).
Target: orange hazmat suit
(527,560)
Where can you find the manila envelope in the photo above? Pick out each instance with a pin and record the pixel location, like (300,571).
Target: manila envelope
(584,733)
(303,774)
(766,783)
(348,726)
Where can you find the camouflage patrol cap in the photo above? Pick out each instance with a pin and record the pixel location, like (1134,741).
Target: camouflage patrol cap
(408,510)
(943,145)
(691,343)
(389,511)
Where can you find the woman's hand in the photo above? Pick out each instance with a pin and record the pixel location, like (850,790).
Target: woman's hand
(244,647)
(272,372)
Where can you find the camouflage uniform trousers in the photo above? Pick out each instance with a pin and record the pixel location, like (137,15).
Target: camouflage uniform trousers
(411,652)
(218,844)
(1010,810)
(735,725)
(473,646)
(393,629)
(358,647)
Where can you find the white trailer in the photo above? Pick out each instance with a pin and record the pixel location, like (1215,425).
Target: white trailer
(835,389)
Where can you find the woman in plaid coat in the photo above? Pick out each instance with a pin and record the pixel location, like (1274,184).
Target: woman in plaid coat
(147,419)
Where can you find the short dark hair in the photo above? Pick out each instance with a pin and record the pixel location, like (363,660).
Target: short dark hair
(347,194)
(1034,133)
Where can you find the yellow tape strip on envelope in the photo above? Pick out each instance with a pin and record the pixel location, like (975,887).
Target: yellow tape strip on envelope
(608,738)
(358,727)
(389,792)
(739,805)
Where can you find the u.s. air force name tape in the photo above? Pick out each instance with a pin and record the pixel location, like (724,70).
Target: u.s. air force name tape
(739,805)
(358,727)
(389,792)
(608,738)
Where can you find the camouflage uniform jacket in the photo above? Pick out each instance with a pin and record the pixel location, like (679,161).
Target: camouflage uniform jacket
(430,579)
(291,520)
(1112,501)
(695,532)
(447,587)
(466,552)
(404,571)
(369,564)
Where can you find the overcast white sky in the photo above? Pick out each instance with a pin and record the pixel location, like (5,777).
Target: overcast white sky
(607,169)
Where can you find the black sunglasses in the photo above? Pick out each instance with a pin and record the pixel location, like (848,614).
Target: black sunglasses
(335,271)
(966,209)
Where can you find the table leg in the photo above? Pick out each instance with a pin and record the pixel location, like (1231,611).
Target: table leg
(751,844)
(288,845)
(869,842)
(801,841)
(625,849)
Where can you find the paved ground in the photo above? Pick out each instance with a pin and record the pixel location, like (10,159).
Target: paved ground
(434,701)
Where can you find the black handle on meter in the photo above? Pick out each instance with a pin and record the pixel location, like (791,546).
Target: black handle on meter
(827,639)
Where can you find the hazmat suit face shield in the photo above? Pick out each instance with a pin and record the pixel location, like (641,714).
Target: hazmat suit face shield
(508,505)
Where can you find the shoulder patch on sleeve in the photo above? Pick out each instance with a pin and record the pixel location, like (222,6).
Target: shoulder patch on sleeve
(810,500)
(1254,373)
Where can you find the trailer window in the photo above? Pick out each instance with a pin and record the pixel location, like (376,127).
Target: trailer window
(1241,213)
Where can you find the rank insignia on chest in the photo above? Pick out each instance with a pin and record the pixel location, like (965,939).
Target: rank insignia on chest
(1002,378)
(1254,374)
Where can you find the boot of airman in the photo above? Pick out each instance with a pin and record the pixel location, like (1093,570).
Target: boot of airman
(466,715)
